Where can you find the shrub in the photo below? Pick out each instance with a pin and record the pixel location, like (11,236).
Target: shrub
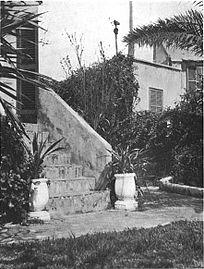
(187,167)
(12,150)
(14,197)
(103,93)
(186,135)
(14,174)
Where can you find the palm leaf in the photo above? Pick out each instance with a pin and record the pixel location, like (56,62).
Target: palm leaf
(11,20)
(182,31)
(13,118)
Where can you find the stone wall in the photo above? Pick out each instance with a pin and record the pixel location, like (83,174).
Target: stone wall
(83,147)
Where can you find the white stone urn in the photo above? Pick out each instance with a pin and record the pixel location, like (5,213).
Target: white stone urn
(125,190)
(39,196)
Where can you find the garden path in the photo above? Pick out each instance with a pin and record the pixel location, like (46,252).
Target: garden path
(159,208)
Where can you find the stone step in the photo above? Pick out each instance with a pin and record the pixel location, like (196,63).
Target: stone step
(63,171)
(89,201)
(62,187)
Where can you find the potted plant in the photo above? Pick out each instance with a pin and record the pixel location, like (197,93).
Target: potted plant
(39,195)
(126,187)
(120,176)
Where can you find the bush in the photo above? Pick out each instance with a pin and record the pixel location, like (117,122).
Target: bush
(14,174)
(176,245)
(14,197)
(103,93)
(188,165)
(186,135)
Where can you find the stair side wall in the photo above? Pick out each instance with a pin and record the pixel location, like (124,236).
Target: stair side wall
(82,144)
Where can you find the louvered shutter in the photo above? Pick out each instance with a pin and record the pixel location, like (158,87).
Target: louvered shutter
(155,100)
(28,42)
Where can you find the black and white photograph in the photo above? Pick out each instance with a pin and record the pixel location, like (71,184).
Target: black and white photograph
(101,138)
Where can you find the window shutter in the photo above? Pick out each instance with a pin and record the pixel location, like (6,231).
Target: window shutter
(155,100)
(194,75)
(27,93)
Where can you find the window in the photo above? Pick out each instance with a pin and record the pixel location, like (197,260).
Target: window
(155,100)
(194,76)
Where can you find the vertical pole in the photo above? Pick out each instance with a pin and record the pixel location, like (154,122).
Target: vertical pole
(116,23)
(116,44)
(131,45)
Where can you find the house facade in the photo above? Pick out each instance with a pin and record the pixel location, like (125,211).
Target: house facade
(166,77)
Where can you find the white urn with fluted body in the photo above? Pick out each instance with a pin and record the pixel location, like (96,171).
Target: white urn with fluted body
(39,196)
(125,189)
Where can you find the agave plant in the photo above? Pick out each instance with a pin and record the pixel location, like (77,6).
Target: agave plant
(124,160)
(39,153)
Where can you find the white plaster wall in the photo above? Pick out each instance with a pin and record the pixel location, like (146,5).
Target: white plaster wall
(170,80)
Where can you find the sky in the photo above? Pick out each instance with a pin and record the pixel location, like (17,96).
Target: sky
(91,20)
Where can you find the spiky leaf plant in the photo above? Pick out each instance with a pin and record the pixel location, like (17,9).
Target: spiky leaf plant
(39,153)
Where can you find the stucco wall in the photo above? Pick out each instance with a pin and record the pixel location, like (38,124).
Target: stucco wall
(151,75)
(83,145)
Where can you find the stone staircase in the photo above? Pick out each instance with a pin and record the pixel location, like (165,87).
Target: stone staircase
(74,171)
(70,192)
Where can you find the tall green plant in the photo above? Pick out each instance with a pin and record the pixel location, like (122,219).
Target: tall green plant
(103,94)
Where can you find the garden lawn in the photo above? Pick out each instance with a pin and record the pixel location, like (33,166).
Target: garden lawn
(176,245)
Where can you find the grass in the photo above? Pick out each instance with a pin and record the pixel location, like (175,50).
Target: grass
(176,245)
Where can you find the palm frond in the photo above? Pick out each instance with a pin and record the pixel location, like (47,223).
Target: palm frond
(13,19)
(184,31)
(13,118)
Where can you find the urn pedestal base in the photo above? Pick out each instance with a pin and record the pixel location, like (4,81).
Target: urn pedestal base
(129,205)
(40,215)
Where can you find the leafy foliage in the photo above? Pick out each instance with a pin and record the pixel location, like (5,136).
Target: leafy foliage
(187,130)
(18,166)
(12,147)
(14,196)
(176,144)
(176,245)
(184,31)
(171,142)
(103,93)
(14,174)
